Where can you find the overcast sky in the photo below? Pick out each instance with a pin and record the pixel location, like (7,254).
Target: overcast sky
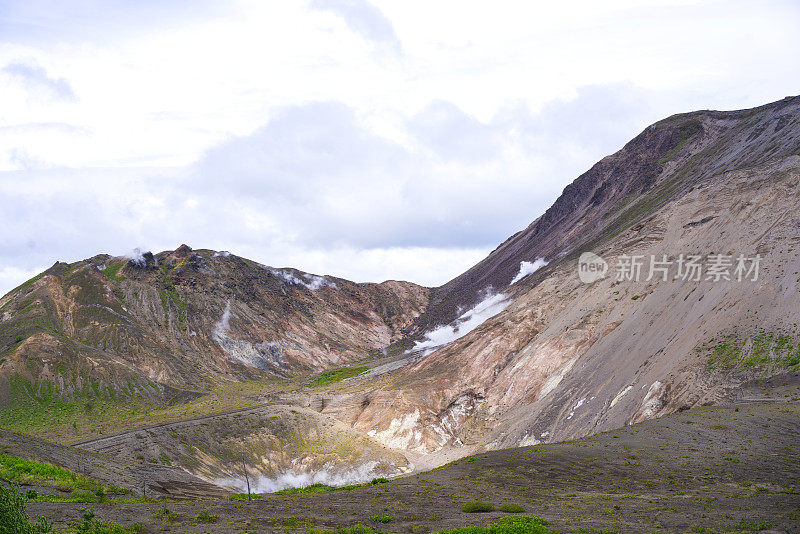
(368,140)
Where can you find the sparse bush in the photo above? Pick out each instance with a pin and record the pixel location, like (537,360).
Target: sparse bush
(382,518)
(205,517)
(92,525)
(243,496)
(511,508)
(14,519)
(357,529)
(477,507)
(521,524)
(313,488)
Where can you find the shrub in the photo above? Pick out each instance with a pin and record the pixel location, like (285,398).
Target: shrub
(477,507)
(31,494)
(521,524)
(313,488)
(243,496)
(382,518)
(205,517)
(380,480)
(357,529)
(91,525)
(512,508)
(14,519)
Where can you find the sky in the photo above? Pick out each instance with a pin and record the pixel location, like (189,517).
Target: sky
(367,140)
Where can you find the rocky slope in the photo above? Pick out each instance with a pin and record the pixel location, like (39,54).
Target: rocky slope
(566,358)
(165,326)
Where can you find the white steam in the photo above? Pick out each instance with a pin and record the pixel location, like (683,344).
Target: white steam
(224,323)
(222,254)
(137,257)
(266,355)
(300,479)
(491,305)
(310,281)
(526,268)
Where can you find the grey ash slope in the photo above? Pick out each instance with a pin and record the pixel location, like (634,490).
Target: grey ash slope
(655,167)
(714,469)
(566,359)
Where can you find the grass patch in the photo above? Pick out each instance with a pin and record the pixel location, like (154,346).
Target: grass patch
(112,272)
(205,517)
(477,507)
(313,488)
(28,282)
(37,407)
(23,471)
(686,131)
(521,524)
(337,375)
(766,349)
(381,518)
(512,508)
(244,497)
(92,525)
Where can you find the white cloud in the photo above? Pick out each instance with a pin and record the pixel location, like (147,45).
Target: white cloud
(274,129)
(35,79)
(364,19)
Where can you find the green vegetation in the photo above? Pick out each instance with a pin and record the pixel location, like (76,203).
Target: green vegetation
(752,525)
(36,407)
(511,508)
(686,131)
(244,497)
(764,349)
(521,524)
(112,272)
(27,282)
(337,375)
(205,517)
(313,488)
(382,518)
(91,525)
(24,471)
(168,294)
(477,507)
(14,519)
(319,488)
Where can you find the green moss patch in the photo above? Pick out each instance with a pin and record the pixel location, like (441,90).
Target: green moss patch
(337,375)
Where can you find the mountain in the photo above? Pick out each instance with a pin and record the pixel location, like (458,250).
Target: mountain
(163,328)
(563,358)
(319,374)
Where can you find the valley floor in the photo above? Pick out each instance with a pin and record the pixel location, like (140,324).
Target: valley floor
(708,469)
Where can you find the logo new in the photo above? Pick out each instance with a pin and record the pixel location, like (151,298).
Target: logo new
(591,267)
